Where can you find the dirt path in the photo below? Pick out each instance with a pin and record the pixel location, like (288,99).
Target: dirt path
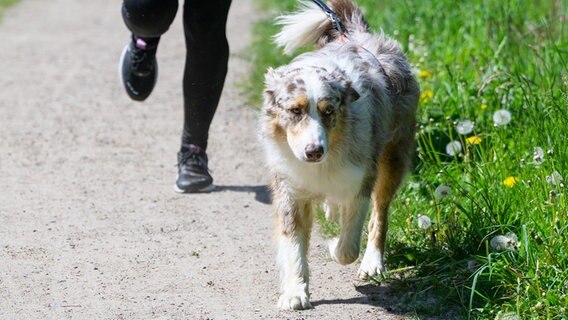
(89,225)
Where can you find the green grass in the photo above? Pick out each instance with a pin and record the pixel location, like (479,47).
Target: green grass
(474,58)
(4,4)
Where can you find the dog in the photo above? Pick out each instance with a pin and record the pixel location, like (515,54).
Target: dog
(337,127)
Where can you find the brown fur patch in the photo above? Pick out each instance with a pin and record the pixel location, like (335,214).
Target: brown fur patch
(301,102)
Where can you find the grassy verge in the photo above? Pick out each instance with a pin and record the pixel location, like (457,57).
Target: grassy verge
(482,221)
(4,4)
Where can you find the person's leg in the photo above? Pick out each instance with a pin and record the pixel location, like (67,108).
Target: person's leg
(147,20)
(205,70)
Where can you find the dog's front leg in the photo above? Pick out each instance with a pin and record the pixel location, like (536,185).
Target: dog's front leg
(293,227)
(345,249)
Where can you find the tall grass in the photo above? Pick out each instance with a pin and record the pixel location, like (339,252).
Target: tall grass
(497,246)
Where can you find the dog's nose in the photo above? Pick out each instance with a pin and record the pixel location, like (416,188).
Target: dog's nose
(314,152)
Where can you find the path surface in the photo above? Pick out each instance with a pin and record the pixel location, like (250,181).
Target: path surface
(89,225)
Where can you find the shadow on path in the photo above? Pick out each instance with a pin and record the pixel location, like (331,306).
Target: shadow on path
(374,295)
(261,192)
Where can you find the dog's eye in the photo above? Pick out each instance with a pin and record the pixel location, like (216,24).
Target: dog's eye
(296,110)
(329,111)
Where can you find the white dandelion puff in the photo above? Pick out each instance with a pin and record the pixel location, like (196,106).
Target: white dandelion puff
(472,264)
(554,178)
(453,148)
(502,117)
(507,316)
(442,191)
(538,155)
(464,127)
(424,222)
(504,242)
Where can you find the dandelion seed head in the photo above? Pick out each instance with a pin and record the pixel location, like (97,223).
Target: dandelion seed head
(442,191)
(453,148)
(472,264)
(504,242)
(507,316)
(464,127)
(501,117)
(555,178)
(538,155)
(424,222)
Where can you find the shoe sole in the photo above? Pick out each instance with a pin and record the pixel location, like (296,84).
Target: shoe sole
(206,189)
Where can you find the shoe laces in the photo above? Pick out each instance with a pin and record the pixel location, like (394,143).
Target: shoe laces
(142,57)
(195,156)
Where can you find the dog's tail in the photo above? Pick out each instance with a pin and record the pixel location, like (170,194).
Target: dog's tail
(310,25)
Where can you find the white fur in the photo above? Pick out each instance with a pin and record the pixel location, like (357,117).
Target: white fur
(294,274)
(301,28)
(372,263)
(345,248)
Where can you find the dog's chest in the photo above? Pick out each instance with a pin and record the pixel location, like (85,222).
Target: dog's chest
(338,182)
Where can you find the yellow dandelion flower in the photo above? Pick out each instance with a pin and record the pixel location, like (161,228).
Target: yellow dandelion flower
(483,106)
(424,74)
(473,140)
(510,181)
(426,96)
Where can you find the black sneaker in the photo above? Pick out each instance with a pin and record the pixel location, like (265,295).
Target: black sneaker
(138,68)
(193,174)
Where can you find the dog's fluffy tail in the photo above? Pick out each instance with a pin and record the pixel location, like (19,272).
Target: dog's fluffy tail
(310,25)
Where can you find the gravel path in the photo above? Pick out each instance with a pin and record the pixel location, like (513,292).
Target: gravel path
(89,225)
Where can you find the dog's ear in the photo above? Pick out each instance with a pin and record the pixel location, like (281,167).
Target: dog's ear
(270,80)
(349,94)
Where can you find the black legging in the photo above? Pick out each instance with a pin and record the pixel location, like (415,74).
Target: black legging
(207,54)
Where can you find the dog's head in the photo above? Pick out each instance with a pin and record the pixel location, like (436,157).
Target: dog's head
(306,108)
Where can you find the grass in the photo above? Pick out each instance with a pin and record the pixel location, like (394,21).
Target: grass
(474,58)
(4,4)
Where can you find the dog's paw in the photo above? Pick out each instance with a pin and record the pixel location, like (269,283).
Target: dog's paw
(294,301)
(342,254)
(331,212)
(372,264)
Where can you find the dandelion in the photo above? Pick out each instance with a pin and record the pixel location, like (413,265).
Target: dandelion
(426,96)
(472,264)
(483,106)
(473,140)
(442,191)
(510,181)
(424,222)
(464,127)
(504,242)
(501,117)
(554,178)
(453,148)
(424,74)
(507,316)
(538,156)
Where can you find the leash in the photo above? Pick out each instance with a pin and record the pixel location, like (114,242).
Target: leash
(336,23)
(332,16)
